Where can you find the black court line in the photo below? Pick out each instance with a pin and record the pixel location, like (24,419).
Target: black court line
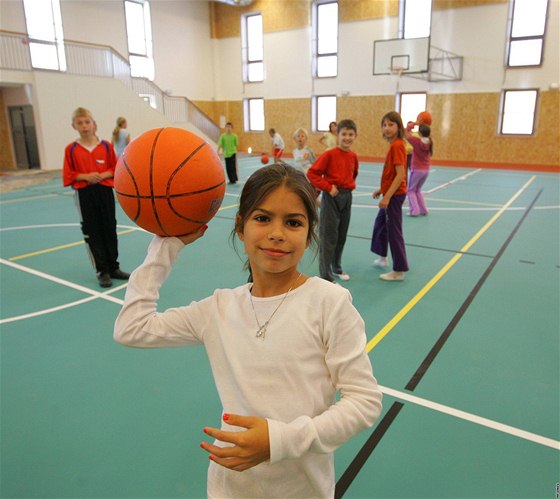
(419,374)
(363,455)
(445,250)
(381,429)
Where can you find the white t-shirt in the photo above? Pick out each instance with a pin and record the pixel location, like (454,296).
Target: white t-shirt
(314,346)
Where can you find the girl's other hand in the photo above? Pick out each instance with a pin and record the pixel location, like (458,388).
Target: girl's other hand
(192,237)
(250,447)
(376,194)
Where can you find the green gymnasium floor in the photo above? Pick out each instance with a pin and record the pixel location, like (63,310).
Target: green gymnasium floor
(466,350)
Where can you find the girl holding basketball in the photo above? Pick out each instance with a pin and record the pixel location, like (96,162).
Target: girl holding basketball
(281,346)
(387,230)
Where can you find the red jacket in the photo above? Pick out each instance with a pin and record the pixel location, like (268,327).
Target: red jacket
(77,160)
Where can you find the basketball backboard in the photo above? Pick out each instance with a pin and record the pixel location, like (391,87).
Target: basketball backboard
(408,55)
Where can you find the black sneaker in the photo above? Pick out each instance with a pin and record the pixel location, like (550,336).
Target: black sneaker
(119,274)
(104,280)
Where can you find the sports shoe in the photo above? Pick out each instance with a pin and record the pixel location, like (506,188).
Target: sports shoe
(119,274)
(104,280)
(381,262)
(392,276)
(343,276)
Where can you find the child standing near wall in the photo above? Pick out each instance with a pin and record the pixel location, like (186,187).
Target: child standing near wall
(420,169)
(89,166)
(281,348)
(335,173)
(303,156)
(387,230)
(227,144)
(330,138)
(277,144)
(121,137)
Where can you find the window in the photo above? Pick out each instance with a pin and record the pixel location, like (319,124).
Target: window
(527,29)
(410,105)
(139,31)
(518,112)
(254,115)
(325,39)
(252,48)
(324,111)
(44,27)
(415,18)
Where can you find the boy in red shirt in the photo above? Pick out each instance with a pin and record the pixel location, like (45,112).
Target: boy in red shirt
(335,173)
(89,166)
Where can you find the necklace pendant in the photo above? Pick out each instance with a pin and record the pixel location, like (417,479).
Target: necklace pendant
(261,332)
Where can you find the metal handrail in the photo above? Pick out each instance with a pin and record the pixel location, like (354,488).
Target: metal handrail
(88,59)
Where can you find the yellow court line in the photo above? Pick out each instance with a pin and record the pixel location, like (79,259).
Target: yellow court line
(410,305)
(69,245)
(56,248)
(457,201)
(228,207)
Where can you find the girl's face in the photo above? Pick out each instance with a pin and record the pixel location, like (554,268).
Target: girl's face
(275,234)
(390,130)
(333,128)
(300,139)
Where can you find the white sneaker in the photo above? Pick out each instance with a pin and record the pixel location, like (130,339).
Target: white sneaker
(342,276)
(381,262)
(392,276)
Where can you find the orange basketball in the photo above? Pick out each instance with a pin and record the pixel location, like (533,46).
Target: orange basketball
(424,117)
(264,159)
(169,181)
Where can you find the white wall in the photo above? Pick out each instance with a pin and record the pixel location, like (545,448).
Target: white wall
(476,33)
(183,51)
(100,22)
(12,16)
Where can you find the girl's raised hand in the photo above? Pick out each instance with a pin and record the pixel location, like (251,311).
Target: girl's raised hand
(191,238)
(250,447)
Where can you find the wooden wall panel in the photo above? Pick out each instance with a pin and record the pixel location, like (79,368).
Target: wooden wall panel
(278,15)
(7,161)
(464,129)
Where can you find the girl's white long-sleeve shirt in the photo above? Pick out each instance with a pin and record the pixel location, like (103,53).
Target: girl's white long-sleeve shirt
(313,348)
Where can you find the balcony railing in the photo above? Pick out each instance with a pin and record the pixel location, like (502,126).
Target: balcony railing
(102,61)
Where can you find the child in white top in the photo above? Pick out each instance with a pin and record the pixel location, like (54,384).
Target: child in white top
(121,137)
(277,145)
(280,347)
(303,156)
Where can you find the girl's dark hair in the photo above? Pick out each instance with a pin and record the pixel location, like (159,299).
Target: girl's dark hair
(425,131)
(266,180)
(395,117)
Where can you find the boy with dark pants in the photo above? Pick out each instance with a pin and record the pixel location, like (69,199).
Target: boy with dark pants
(335,173)
(89,166)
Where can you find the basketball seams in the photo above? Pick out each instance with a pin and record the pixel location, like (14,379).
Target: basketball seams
(148,170)
(152,197)
(139,204)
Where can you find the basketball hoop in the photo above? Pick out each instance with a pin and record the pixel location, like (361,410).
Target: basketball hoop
(397,72)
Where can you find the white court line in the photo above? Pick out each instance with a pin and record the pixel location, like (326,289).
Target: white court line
(445,184)
(358,192)
(64,282)
(467,416)
(60,307)
(515,208)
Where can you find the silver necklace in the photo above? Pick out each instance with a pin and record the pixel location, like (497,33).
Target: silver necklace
(262,328)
